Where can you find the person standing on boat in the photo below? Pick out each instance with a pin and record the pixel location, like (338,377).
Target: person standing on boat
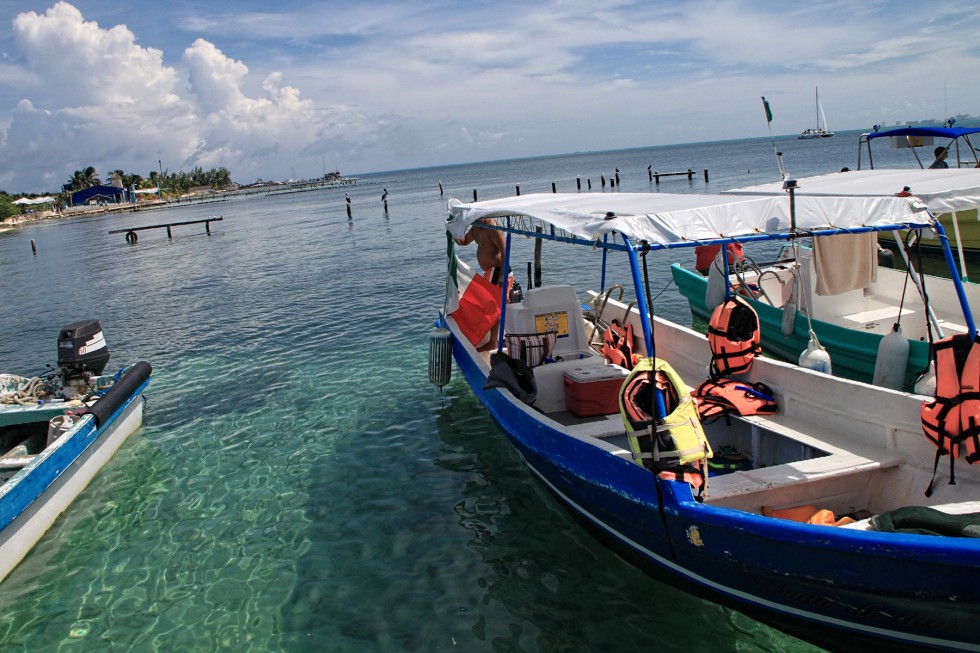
(940,154)
(490,245)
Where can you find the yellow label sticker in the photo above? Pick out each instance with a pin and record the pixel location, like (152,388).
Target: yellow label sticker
(557,322)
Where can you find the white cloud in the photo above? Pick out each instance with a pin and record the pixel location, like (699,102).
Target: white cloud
(386,85)
(101,99)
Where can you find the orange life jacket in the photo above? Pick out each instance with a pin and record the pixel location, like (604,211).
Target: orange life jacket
(705,255)
(951,421)
(733,335)
(617,345)
(717,397)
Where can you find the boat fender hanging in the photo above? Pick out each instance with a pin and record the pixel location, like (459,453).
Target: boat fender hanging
(714,293)
(512,374)
(892,360)
(440,356)
(789,312)
(815,357)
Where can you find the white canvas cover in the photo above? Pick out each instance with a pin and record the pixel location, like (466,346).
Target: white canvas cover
(37,200)
(942,191)
(670,219)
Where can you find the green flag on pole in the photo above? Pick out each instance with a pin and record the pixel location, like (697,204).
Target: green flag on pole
(768,111)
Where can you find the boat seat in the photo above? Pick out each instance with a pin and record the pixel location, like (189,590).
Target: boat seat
(551,308)
(888,313)
(842,474)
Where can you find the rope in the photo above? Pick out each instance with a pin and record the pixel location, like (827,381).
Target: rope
(30,394)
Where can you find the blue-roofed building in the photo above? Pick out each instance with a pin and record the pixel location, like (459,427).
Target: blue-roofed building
(97,194)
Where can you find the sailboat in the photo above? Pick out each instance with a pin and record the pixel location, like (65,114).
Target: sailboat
(818,131)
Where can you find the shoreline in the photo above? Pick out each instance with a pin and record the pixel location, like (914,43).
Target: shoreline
(213,197)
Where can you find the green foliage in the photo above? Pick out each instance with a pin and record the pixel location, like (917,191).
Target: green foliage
(7,207)
(82,179)
(172,183)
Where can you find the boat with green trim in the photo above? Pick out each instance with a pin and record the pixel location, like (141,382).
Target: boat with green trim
(851,321)
(957,152)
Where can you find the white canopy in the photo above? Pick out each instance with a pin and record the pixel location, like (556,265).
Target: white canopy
(664,219)
(36,200)
(943,191)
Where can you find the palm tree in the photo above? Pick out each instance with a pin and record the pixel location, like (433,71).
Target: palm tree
(81,179)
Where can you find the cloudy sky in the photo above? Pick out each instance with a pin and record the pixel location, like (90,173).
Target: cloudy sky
(294,88)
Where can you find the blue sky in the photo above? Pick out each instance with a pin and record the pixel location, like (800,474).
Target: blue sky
(295,88)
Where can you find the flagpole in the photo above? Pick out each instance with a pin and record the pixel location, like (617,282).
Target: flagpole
(779,155)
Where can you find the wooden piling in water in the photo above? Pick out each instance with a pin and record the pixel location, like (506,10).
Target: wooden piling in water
(689,173)
(132,238)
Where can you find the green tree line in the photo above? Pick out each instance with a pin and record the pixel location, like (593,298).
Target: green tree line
(171,183)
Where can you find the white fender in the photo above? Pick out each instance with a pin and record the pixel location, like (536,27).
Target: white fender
(815,357)
(789,312)
(714,294)
(892,361)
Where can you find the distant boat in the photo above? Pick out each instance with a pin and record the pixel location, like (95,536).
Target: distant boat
(820,131)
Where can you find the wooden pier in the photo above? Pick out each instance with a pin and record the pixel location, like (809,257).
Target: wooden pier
(689,173)
(131,236)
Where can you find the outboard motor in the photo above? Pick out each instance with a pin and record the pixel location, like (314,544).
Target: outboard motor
(82,350)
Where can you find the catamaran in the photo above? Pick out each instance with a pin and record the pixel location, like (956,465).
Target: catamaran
(821,130)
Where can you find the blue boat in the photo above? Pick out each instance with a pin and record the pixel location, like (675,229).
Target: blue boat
(846,449)
(57,431)
(957,153)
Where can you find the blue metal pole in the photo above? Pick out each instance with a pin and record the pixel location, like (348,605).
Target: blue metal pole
(641,305)
(503,291)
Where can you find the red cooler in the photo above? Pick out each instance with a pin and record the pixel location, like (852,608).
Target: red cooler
(594,390)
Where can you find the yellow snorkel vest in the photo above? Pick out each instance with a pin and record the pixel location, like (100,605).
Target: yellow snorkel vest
(678,439)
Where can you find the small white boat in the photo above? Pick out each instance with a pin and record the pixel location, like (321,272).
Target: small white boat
(57,431)
(835,445)
(821,130)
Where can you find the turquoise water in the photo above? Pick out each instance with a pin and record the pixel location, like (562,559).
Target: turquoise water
(298,485)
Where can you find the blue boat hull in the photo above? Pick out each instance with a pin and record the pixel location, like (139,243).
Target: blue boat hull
(838,588)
